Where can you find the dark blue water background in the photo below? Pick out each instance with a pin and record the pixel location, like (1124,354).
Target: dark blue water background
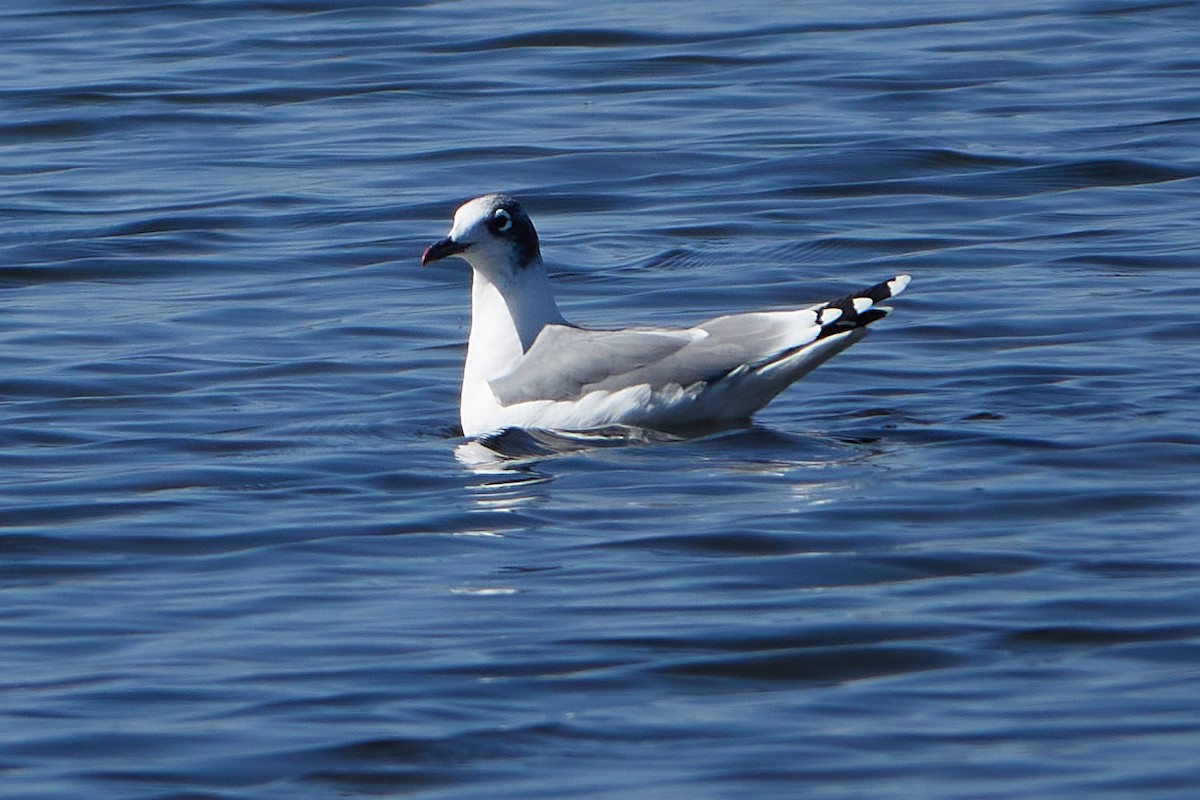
(240,558)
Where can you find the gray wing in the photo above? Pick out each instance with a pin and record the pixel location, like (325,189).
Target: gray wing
(567,363)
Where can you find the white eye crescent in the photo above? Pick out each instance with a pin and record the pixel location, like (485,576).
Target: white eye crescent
(503,220)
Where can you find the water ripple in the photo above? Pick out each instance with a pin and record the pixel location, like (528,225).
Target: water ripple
(957,561)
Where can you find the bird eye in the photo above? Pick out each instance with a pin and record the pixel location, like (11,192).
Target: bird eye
(501,220)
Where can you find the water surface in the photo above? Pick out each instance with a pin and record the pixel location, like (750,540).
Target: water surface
(247,554)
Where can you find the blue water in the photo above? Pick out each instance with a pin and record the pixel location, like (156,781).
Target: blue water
(244,557)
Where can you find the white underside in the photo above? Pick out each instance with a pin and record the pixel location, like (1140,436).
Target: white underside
(736,397)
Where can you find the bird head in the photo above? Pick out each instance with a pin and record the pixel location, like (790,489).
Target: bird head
(493,234)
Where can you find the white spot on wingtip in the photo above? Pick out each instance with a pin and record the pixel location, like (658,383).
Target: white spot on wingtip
(898,284)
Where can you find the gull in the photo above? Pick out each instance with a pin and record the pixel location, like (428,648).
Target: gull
(528,368)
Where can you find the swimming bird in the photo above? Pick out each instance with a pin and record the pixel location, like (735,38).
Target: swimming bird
(527,367)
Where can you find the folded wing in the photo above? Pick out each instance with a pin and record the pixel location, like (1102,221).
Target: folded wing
(567,363)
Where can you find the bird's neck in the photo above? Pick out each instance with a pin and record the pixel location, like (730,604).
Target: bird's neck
(507,314)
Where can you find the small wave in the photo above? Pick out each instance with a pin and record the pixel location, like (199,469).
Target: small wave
(1008,182)
(824,665)
(551,38)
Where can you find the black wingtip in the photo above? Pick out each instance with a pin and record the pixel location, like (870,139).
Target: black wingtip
(861,308)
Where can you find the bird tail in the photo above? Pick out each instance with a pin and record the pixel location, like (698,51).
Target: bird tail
(843,322)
